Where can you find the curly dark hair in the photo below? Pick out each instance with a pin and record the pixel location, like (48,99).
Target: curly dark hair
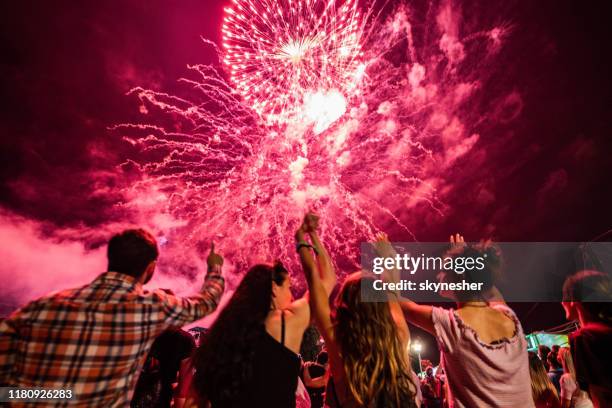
(488,276)
(224,361)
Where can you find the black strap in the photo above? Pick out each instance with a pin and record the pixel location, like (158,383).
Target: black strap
(283,327)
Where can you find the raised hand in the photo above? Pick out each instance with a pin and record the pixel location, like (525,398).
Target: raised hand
(213,257)
(457,240)
(311,223)
(382,245)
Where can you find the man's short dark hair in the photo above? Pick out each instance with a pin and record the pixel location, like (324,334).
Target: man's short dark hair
(131,251)
(594,290)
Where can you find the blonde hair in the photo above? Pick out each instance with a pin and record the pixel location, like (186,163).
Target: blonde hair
(542,388)
(565,357)
(376,363)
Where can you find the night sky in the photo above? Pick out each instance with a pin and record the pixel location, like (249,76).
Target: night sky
(66,66)
(65,69)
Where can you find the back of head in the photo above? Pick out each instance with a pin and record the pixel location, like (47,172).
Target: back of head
(368,329)
(131,251)
(429,371)
(224,359)
(565,357)
(542,388)
(172,346)
(491,258)
(593,290)
(552,361)
(543,351)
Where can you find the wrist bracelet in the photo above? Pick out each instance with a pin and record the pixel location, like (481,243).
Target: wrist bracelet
(303,244)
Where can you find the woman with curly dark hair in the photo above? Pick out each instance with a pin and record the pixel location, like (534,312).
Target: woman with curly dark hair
(482,345)
(249,357)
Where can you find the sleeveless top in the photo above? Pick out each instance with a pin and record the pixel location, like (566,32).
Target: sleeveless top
(480,374)
(275,373)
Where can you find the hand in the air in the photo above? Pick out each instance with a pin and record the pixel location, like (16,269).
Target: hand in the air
(457,240)
(383,247)
(311,223)
(213,257)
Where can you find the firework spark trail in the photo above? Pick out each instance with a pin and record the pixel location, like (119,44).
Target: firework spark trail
(325,108)
(281,54)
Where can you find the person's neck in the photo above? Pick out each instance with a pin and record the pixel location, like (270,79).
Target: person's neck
(584,317)
(472,303)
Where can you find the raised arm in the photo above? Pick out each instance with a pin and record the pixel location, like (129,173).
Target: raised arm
(420,315)
(183,310)
(320,284)
(324,262)
(384,249)
(320,274)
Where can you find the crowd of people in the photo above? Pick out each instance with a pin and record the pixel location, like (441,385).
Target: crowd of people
(115,344)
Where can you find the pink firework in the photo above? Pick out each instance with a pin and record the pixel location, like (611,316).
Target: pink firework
(361,116)
(288,58)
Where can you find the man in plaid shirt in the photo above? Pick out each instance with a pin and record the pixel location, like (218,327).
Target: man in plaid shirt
(94,339)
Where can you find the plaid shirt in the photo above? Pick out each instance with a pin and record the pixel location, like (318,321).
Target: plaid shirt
(94,339)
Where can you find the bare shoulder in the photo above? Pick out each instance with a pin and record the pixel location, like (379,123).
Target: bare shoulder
(506,318)
(490,323)
(298,313)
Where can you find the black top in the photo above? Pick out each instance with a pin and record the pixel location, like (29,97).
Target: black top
(275,373)
(170,348)
(154,386)
(589,346)
(316,370)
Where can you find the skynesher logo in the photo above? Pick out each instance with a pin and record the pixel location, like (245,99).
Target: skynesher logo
(412,264)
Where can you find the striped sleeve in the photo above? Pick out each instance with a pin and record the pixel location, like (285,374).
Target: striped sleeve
(8,345)
(183,310)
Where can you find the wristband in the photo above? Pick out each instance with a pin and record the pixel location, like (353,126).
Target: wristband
(303,244)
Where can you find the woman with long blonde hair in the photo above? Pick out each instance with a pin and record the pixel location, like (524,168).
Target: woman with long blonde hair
(571,394)
(366,341)
(543,391)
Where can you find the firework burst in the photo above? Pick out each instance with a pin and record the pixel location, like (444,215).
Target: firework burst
(285,57)
(326,108)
